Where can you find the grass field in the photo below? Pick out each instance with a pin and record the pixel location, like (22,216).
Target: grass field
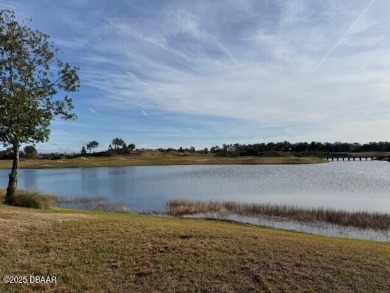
(91,251)
(156,158)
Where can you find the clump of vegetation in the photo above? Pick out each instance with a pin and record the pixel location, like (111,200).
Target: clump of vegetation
(364,220)
(30,199)
(33,200)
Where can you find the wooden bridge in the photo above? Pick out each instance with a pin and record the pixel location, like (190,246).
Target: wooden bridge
(350,158)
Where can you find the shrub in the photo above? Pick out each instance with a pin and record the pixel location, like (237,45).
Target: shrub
(33,200)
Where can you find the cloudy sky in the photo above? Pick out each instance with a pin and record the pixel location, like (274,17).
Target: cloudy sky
(201,73)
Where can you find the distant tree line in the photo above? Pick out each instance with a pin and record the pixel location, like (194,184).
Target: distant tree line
(184,150)
(275,149)
(283,148)
(119,147)
(29,152)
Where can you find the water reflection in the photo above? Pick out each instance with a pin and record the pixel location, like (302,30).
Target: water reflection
(340,185)
(31,179)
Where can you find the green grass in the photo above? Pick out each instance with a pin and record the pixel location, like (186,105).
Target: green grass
(358,219)
(90,251)
(156,158)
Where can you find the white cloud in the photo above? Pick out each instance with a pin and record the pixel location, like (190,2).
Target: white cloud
(311,68)
(94,112)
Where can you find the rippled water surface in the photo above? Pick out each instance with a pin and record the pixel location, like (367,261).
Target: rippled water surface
(361,185)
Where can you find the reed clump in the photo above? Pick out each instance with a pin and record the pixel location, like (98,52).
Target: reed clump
(359,219)
(30,199)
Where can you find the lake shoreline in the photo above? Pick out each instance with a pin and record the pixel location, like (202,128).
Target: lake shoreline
(319,221)
(322,222)
(314,228)
(156,159)
(220,209)
(123,252)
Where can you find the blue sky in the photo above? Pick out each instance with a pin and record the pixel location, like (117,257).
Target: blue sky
(203,73)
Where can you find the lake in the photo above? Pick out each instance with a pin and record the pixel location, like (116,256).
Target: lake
(359,185)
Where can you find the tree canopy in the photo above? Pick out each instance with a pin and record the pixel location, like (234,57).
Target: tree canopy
(92,145)
(33,86)
(117,143)
(30,151)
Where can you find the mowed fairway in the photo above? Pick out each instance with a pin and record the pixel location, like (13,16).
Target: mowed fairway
(156,158)
(91,251)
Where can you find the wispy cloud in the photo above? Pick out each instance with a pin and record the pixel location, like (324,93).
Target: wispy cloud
(94,112)
(252,65)
(344,35)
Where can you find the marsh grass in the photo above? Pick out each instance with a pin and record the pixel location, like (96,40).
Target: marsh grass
(98,203)
(30,199)
(360,219)
(37,200)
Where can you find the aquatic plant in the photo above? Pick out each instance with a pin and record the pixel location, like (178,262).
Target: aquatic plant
(359,219)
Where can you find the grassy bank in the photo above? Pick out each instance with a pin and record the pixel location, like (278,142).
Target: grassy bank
(110,252)
(365,220)
(156,158)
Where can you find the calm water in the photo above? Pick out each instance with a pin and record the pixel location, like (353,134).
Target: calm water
(341,185)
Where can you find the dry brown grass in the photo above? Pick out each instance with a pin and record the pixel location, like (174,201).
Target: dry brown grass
(27,220)
(365,220)
(107,252)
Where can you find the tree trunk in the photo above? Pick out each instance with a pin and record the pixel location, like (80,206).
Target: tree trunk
(13,178)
